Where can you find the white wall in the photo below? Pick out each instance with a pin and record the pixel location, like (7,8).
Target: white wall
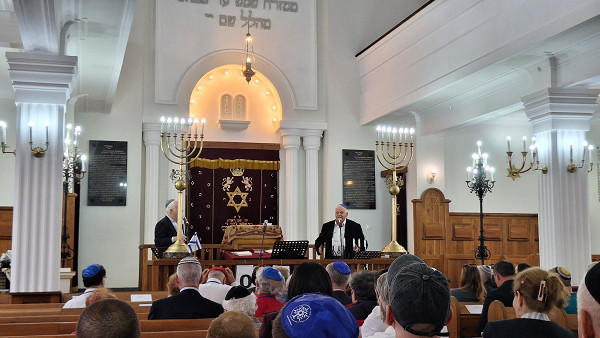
(593,137)
(8,114)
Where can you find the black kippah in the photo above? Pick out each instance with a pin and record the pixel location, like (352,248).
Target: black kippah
(592,282)
(237,292)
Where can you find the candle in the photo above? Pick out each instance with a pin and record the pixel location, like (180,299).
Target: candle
(203,123)
(162,123)
(83,158)
(508,142)
(474,156)
(394,131)
(195,126)
(479,147)
(169,120)
(590,149)
(30,131)
(47,127)
(492,173)
(469,169)
(182,123)
(412,134)
(524,144)
(535,150)
(378,130)
(389,133)
(571,151)
(585,145)
(3,131)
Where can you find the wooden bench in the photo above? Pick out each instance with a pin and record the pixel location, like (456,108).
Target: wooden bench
(165,334)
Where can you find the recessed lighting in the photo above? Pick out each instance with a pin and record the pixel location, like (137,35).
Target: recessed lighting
(226,73)
(210,77)
(274,119)
(256,81)
(267,92)
(193,101)
(274,107)
(199,87)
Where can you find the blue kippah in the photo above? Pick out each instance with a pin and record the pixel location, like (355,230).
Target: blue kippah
(273,274)
(91,270)
(317,315)
(343,205)
(341,267)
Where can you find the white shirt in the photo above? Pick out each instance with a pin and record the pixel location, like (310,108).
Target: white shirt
(373,323)
(78,302)
(337,239)
(214,290)
(390,332)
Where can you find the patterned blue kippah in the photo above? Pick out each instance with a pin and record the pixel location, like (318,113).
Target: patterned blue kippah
(91,270)
(273,274)
(317,315)
(341,267)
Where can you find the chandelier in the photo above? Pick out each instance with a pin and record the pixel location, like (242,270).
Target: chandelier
(249,57)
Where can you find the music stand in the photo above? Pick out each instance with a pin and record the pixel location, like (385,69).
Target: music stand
(289,250)
(158,252)
(367,254)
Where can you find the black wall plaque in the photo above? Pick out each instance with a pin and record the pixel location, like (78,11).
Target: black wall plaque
(358,171)
(107,173)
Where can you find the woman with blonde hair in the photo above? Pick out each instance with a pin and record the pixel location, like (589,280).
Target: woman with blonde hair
(471,286)
(536,293)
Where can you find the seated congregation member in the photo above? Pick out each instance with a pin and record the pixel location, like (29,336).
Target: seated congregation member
(188,303)
(588,302)
(218,283)
(307,277)
(375,326)
(269,285)
(362,284)
(341,237)
(240,299)
(98,295)
(471,287)
(419,298)
(285,272)
(536,293)
(232,324)
(565,278)
(487,277)
(93,278)
(172,288)
(522,267)
(504,273)
(110,318)
(339,273)
(314,315)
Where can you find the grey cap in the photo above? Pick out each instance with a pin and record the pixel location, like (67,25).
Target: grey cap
(401,262)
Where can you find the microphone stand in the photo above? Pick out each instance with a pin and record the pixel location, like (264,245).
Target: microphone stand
(262,243)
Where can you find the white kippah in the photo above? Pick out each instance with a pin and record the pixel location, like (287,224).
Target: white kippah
(189,260)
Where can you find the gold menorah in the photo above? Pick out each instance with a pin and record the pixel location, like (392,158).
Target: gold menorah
(394,149)
(182,148)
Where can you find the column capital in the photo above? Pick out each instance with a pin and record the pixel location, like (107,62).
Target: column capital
(311,139)
(290,140)
(151,133)
(561,108)
(42,78)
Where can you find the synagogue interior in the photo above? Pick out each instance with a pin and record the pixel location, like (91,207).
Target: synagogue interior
(293,123)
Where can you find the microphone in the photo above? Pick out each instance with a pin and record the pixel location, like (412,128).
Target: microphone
(262,243)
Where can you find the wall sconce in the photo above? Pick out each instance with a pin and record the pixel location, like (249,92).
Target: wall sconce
(431,175)
(513,172)
(38,151)
(3,139)
(572,167)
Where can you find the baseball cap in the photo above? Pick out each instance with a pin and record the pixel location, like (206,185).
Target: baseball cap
(317,315)
(91,271)
(401,262)
(420,295)
(341,267)
(592,282)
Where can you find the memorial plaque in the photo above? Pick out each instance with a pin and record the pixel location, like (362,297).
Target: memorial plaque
(358,172)
(107,173)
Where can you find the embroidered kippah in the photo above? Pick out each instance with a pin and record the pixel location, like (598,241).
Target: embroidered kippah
(188,260)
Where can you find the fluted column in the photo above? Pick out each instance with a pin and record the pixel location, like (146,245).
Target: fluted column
(291,144)
(311,141)
(559,116)
(151,135)
(42,84)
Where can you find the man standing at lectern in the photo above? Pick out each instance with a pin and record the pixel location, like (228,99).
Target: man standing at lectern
(165,231)
(341,237)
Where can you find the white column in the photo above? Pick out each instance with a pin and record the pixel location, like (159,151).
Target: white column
(151,134)
(311,141)
(42,84)
(558,116)
(291,144)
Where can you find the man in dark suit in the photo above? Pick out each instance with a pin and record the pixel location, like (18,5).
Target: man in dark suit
(188,304)
(339,273)
(165,231)
(341,237)
(504,273)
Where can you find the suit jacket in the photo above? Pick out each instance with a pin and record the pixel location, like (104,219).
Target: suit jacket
(525,327)
(163,231)
(188,304)
(342,297)
(352,236)
(503,293)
